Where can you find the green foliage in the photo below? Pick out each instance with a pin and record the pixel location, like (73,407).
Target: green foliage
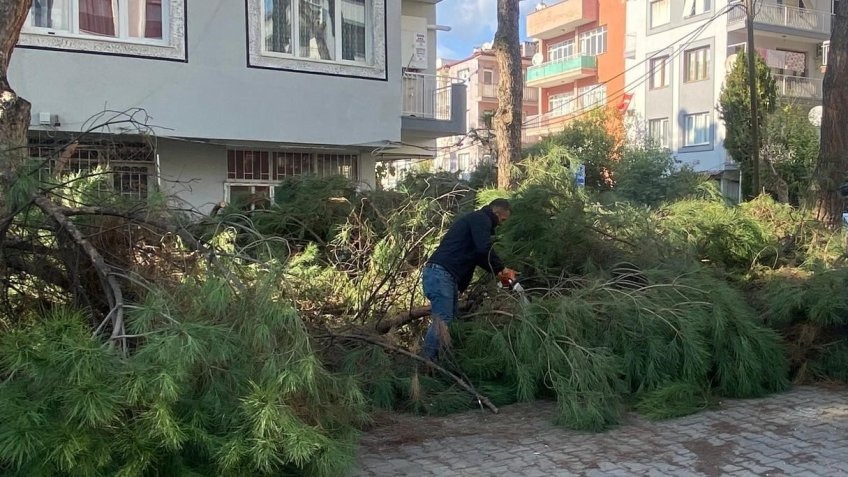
(650,176)
(587,140)
(791,147)
(675,399)
(218,384)
(596,344)
(735,110)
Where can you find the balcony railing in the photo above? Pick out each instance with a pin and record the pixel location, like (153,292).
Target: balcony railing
(572,64)
(785,16)
(427,96)
(491,91)
(798,87)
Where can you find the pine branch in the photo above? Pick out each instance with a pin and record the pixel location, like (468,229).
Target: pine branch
(110,285)
(483,400)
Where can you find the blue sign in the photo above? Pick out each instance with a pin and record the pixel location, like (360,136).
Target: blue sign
(580,175)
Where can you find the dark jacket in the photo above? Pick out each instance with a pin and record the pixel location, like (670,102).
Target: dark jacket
(468,243)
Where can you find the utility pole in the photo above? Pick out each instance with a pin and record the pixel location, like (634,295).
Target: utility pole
(752,85)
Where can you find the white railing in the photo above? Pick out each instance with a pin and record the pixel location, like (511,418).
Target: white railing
(491,91)
(798,87)
(427,96)
(786,16)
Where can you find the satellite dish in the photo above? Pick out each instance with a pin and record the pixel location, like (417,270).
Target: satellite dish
(537,59)
(815,116)
(728,64)
(487,46)
(540,6)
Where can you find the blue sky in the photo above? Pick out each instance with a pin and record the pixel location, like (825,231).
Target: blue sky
(473,23)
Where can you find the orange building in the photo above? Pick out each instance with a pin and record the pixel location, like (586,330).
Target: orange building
(580,63)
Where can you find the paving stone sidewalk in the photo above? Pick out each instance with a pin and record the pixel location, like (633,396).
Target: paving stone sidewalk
(803,432)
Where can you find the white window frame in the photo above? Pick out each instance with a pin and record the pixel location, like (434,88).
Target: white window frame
(658,131)
(337,32)
(702,56)
(659,12)
(593,42)
(562,104)
(561,50)
(374,66)
(491,74)
(693,8)
(593,96)
(661,65)
(697,130)
(170,47)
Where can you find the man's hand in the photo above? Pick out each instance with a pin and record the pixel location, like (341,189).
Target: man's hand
(507,274)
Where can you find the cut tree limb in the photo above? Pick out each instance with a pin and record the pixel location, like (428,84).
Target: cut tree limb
(483,400)
(387,324)
(110,285)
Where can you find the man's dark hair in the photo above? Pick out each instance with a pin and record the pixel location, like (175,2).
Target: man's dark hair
(500,204)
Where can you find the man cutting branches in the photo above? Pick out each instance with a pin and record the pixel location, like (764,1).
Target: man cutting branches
(448,272)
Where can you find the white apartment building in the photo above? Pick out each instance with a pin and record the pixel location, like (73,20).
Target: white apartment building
(678,54)
(240,94)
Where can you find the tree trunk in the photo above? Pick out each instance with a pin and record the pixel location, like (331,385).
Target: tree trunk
(832,166)
(510,90)
(14,110)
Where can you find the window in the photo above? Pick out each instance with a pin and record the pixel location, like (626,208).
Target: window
(593,96)
(464,161)
(129,165)
(561,104)
(658,131)
(695,7)
(488,77)
(252,175)
(660,12)
(697,129)
(560,51)
(131,20)
(594,42)
(697,64)
(660,72)
(336,37)
(124,27)
(332,30)
(463,74)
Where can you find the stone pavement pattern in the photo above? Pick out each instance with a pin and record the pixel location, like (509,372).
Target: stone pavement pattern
(803,432)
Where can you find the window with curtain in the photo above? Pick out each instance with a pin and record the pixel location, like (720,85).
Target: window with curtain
(561,50)
(660,72)
(658,131)
(318,29)
(594,42)
(144,19)
(660,12)
(697,64)
(561,104)
(697,129)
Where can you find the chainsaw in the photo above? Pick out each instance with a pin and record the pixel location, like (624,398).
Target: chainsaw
(513,285)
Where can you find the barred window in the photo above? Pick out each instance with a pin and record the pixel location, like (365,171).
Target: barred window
(252,175)
(129,164)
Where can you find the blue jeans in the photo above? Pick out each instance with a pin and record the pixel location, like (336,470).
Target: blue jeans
(440,288)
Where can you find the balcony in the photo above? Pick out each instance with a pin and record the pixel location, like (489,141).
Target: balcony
(784,20)
(566,70)
(798,87)
(542,125)
(433,106)
(490,91)
(560,18)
